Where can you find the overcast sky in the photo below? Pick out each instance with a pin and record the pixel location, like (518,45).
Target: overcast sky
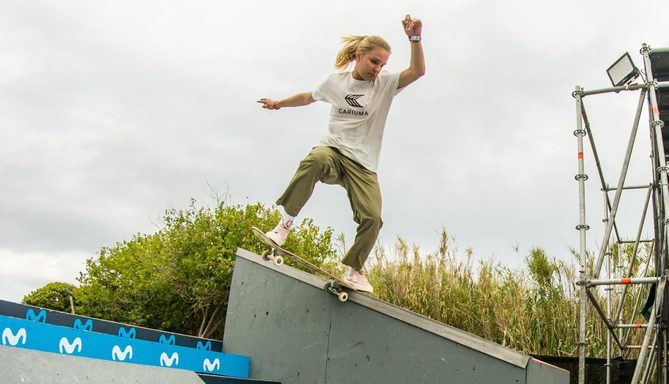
(112,112)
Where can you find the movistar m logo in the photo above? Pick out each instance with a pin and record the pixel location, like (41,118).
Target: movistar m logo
(352,100)
(87,326)
(206,347)
(66,347)
(131,334)
(164,340)
(209,366)
(39,318)
(167,361)
(9,338)
(120,355)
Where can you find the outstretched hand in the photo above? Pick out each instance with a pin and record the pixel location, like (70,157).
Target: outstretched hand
(412,27)
(269,103)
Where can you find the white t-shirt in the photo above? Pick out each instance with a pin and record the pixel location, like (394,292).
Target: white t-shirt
(358,114)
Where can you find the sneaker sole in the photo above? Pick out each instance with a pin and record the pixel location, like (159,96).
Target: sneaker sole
(360,288)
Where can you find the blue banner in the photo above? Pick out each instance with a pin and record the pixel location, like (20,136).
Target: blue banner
(81,342)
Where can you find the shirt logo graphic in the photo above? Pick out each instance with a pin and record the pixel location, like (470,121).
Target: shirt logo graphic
(352,100)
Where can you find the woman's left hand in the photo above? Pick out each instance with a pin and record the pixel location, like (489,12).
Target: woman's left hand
(412,27)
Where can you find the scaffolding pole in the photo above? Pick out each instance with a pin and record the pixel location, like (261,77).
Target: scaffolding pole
(621,182)
(582,227)
(659,295)
(652,355)
(634,254)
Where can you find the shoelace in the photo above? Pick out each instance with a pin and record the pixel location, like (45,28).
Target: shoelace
(354,277)
(286,224)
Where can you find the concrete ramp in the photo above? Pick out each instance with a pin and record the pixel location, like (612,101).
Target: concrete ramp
(298,333)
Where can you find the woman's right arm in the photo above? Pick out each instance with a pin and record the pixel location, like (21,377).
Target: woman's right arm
(298,100)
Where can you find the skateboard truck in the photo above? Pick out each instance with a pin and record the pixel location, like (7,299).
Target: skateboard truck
(272,256)
(336,289)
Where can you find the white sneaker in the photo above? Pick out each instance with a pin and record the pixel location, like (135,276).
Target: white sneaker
(358,280)
(280,232)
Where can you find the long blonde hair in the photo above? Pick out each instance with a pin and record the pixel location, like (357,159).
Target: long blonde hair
(358,44)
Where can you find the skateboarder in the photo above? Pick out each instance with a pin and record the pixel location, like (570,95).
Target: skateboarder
(349,154)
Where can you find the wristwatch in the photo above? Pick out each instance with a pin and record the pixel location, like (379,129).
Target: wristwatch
(414,38)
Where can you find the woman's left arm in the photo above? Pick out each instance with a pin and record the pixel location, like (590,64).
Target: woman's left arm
(413,29)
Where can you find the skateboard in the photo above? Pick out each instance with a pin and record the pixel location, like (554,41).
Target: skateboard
(335,285)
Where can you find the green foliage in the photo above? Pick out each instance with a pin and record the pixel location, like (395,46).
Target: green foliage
(541,269)
(534,312)
(54,296)
(178,278)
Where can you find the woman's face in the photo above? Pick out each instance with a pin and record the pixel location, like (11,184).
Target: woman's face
(369,65)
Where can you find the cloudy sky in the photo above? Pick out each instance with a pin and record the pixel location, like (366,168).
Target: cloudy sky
(112,112)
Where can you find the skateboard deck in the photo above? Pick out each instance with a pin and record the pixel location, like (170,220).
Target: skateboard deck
(335,285)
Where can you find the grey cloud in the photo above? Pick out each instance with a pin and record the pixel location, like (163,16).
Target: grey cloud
(112,112)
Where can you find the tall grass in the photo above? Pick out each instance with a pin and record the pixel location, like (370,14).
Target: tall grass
(533,310)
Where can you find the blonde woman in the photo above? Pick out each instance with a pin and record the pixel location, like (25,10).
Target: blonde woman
(349,154)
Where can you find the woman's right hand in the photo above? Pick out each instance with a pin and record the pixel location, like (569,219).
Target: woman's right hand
(269,103)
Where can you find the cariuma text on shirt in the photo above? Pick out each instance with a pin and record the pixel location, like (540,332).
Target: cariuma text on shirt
(352,112)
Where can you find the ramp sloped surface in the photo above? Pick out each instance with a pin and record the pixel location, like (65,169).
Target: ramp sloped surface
(296,332)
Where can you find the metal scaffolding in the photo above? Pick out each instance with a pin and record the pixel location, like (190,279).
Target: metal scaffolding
(652,353)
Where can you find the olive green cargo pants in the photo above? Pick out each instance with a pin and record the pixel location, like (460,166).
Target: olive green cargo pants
(328,165)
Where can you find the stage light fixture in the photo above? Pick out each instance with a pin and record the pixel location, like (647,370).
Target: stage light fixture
(623,71)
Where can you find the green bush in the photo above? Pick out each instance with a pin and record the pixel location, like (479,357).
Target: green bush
(178,279)
(54,296)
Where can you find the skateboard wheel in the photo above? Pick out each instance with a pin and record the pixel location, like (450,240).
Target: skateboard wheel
(265,254)
(278,260)
(343,296)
